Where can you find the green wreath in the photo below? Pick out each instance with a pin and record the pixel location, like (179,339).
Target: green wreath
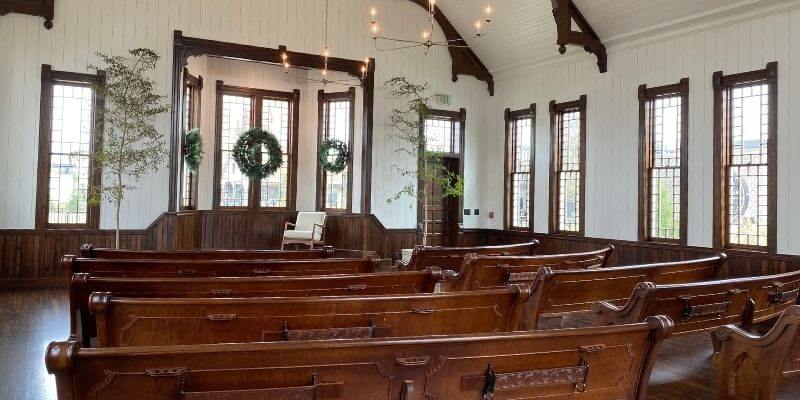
(193,149)
(247,153)
(341,159)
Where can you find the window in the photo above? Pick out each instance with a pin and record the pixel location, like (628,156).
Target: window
(519,168)
(192,89)
(663,145)
(336,117)
(67,129)
(443,131)
(239,109)
(745,190)
(568,166)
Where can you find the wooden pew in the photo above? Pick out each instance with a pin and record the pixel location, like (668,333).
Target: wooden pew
(164,268)
(89,251)
(83,284)
(707,305)
(750,366)
(166,322)
(489,272)
(557,292)
(579,364)
(452,257)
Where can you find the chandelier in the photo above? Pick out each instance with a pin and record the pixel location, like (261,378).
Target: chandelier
(325,77)
(482,26)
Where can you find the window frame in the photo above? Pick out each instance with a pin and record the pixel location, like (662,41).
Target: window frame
(557,110)
(322,98)
(723,85)
(49,78)
(510,118)
(647,97)
(195,83)
(256,100)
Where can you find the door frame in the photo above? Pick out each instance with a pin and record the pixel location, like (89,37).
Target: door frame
(456,225)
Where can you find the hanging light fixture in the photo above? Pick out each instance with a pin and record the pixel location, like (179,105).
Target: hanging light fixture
(326,53)
(482,26)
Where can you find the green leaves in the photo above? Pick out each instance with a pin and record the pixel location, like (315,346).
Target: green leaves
(128,145)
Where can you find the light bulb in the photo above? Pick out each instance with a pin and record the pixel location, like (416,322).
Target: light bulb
(284,57)
(366,61)
(373,12)
(426,35)
(489,9)
(375,29)
(326,52)
(478,25)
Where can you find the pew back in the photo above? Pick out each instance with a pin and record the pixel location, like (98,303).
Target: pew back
(488,272)
(89,251)
(83,284)
(579,364)
(163,322)
(452,257)
(559,292)
(707,305)
(165,268)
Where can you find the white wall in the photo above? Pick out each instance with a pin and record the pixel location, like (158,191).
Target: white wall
(745,44)
(83,27)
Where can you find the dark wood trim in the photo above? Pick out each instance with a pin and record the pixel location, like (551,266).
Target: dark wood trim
(464,60)
(722,85)
(566,13)
(556,111)
(195,108)
(184,47)
(257,97)
(457,116)
(322,98)
(646,97)
(367,127)
(49,77)
(38,8)
(510,117)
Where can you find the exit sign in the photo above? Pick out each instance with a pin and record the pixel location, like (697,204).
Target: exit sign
(441,99)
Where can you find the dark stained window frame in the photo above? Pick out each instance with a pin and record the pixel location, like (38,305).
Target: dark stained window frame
(647,97)
(49,79)
(257,96)
(723,85)
(195,84)
(557,110)
(322,99)
(510,118)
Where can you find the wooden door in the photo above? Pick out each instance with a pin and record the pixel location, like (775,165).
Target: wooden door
(442,213)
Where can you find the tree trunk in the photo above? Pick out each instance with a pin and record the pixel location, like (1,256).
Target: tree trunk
(119,205)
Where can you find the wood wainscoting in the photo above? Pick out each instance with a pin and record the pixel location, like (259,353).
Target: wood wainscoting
(34,255)
(740,263)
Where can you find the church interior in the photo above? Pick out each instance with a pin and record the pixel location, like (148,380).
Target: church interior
(399,199)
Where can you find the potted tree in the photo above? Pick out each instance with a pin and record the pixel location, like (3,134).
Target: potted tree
(129,145)
(407,127)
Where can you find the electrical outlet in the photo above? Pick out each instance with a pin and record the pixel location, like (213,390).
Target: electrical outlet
(467,211)
(477,212)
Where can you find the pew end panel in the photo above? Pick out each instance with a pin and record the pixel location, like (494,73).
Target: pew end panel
(750,366)
(580,364)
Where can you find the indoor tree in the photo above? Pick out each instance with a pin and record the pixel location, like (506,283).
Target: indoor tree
(128,146)
(407,126)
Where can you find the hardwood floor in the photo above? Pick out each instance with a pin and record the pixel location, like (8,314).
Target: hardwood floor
(31,318)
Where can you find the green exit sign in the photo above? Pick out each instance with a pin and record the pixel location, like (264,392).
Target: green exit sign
(442,99)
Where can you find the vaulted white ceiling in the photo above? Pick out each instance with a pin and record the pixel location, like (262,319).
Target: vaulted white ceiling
(524,31)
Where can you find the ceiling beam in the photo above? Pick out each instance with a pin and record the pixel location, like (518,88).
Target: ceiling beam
(465,61)
(565,12)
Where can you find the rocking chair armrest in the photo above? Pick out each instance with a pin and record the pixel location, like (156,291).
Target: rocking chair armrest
(286,226)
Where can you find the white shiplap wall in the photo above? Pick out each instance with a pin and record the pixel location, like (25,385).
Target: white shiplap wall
(744,44)
(83,27)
